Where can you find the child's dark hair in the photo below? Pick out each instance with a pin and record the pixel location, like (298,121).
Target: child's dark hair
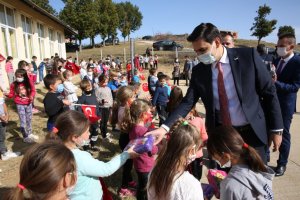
(183,135)
(159,74)
(224,139)
(175,99)
(26,81)
(137,108)
(84,84)
(34,57)
(123,94)
(50,79)
(9,58)
(152,71)
(42,169)
(161,77)
(102,78)
(69,123)
(22,64)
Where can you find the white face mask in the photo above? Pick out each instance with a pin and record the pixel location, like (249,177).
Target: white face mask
(90,73)
(207,58)
(69,190)
(62,69)
(226,165)
(281,51)
(83,142)
(70,78)
(192,157)
(20,80)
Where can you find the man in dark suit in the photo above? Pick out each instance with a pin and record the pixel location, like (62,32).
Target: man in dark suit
(287,83)
(232,83)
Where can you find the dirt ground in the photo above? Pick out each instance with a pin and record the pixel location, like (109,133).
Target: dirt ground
(9,175)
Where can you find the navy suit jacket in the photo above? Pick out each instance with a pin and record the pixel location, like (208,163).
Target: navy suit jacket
(287,85)
(254,88)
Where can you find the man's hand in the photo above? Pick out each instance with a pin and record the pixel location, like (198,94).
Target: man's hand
(276,139)
(158,134)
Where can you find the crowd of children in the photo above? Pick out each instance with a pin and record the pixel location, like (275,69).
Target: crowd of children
(172,169)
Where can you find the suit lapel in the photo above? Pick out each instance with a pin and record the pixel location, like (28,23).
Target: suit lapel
(236,71)
(290,62)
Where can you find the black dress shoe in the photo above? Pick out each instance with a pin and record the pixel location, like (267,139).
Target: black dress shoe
(279,171)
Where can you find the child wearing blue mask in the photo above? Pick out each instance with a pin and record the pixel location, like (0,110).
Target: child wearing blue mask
(53,101)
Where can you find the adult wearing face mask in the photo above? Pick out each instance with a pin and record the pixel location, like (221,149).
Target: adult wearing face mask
(287,83)
(231,84)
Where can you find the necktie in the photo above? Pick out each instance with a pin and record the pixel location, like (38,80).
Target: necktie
(223,100)
(280,66)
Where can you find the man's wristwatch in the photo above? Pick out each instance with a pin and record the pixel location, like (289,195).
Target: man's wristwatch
(277,132)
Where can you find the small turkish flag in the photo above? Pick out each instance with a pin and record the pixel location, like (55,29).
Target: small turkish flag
(2,58)
(142,77)
(72,67)
(90,112)
(145,87)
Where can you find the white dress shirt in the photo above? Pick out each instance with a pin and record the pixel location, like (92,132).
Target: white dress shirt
(286,60)
(237,115)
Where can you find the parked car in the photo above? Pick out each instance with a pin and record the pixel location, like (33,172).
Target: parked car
(147,37)
(109,41)
(72,47)
(167,45)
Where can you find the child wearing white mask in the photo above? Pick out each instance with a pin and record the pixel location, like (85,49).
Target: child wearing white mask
(70,88)
(22,91)
(249,177)
(169,178)
(72,128)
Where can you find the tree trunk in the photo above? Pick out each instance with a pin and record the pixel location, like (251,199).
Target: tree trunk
(93,42)
(80,47)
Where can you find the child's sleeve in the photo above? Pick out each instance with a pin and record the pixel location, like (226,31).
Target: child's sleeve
(52,105)
(96,168)
(32,93)
(155,96)
(11,93)
(70,87)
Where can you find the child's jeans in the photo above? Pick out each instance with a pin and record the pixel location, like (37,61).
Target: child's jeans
(2,138)
(41,74)
(25,116)
(141,193)
(104,120)
(127,167)
(162,113)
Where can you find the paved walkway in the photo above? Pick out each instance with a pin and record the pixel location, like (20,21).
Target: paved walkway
(286,187)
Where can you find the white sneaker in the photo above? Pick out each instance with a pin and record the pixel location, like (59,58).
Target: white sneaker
(108,134)
(28,140)
(9,155)
(34,137)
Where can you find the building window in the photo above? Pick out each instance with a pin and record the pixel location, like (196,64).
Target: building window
(27,36)
(41,38)
(8,31)
(60,44)
(51,41)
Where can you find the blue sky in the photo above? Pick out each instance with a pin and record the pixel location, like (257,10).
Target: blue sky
(182,16)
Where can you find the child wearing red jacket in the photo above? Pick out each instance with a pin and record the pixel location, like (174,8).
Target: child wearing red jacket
(22,91)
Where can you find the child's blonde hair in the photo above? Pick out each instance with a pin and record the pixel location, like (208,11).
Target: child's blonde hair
(124,93)
(137,108)
(183,135)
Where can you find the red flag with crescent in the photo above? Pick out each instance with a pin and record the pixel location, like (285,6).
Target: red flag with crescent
(90,112)
(72,67)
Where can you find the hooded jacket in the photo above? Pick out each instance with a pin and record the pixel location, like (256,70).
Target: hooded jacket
(243,183)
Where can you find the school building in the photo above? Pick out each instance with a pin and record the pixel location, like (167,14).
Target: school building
(28,30)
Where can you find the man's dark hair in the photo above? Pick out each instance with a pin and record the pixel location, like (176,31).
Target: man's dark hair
(291,37)
(261,48)
(50,79)
(205,31)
